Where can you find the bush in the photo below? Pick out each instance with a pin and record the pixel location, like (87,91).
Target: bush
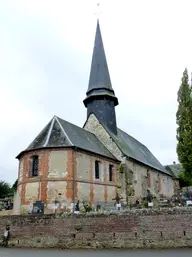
(145,204)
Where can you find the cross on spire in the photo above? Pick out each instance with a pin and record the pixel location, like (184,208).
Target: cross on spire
(101,99)
(98,11)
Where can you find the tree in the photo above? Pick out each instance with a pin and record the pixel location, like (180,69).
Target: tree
(184,122)
(4,189)
(185,179)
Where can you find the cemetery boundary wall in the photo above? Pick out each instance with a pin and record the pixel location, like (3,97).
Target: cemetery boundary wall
(131,229)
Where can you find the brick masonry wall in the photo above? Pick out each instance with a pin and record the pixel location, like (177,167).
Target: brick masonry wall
(65,175)
(133,229)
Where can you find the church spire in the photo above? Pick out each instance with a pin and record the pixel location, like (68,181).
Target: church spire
(99,74)
(101,99)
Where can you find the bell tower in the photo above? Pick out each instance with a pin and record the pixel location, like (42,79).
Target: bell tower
(101,99)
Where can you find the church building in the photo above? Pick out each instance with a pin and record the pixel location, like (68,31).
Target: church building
(66,163)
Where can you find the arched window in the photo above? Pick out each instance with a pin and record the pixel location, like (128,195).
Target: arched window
(97,171)
(35,166)
(110,172)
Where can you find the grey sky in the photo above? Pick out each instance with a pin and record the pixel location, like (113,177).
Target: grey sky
(45,58)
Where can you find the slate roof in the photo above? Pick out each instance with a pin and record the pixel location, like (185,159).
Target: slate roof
(99,74)
(61,133)
(132,148)
(175,169)
(99,79)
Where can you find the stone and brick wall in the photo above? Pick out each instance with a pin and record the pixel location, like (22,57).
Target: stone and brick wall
(95,127)
(133,229)
(99,190)
(65,175)
(160,184)
(146,178)
(176,185)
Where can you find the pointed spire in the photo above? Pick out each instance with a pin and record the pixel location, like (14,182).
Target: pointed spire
(99,80)
(101,99)
(99,75)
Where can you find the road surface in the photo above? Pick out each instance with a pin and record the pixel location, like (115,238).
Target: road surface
(90,253)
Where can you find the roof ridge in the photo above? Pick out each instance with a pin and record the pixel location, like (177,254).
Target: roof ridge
(56,118)
(68,122)
(49,132)
(173,164)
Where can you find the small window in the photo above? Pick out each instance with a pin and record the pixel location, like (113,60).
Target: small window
(110,172)
(148,178)
(35,166)
(97,173)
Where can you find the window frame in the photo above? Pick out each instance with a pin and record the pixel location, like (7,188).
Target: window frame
(34,166)
(111,172)
(97,169)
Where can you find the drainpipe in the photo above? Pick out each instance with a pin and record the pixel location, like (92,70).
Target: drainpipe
(127,186)
(126,179)
(40,187)
(74,174)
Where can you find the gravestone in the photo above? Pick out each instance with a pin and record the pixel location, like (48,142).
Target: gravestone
(38,207)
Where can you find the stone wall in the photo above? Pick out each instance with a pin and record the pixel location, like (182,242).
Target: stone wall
(95,127)
(158,183)
(133,229)
(161,184)
(187,189)
(176,185)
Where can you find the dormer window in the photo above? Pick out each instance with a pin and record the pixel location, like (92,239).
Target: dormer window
(35,166)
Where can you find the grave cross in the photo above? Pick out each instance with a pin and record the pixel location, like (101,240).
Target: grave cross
(117,198)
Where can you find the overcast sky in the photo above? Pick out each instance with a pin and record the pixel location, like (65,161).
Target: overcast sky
(45,56)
